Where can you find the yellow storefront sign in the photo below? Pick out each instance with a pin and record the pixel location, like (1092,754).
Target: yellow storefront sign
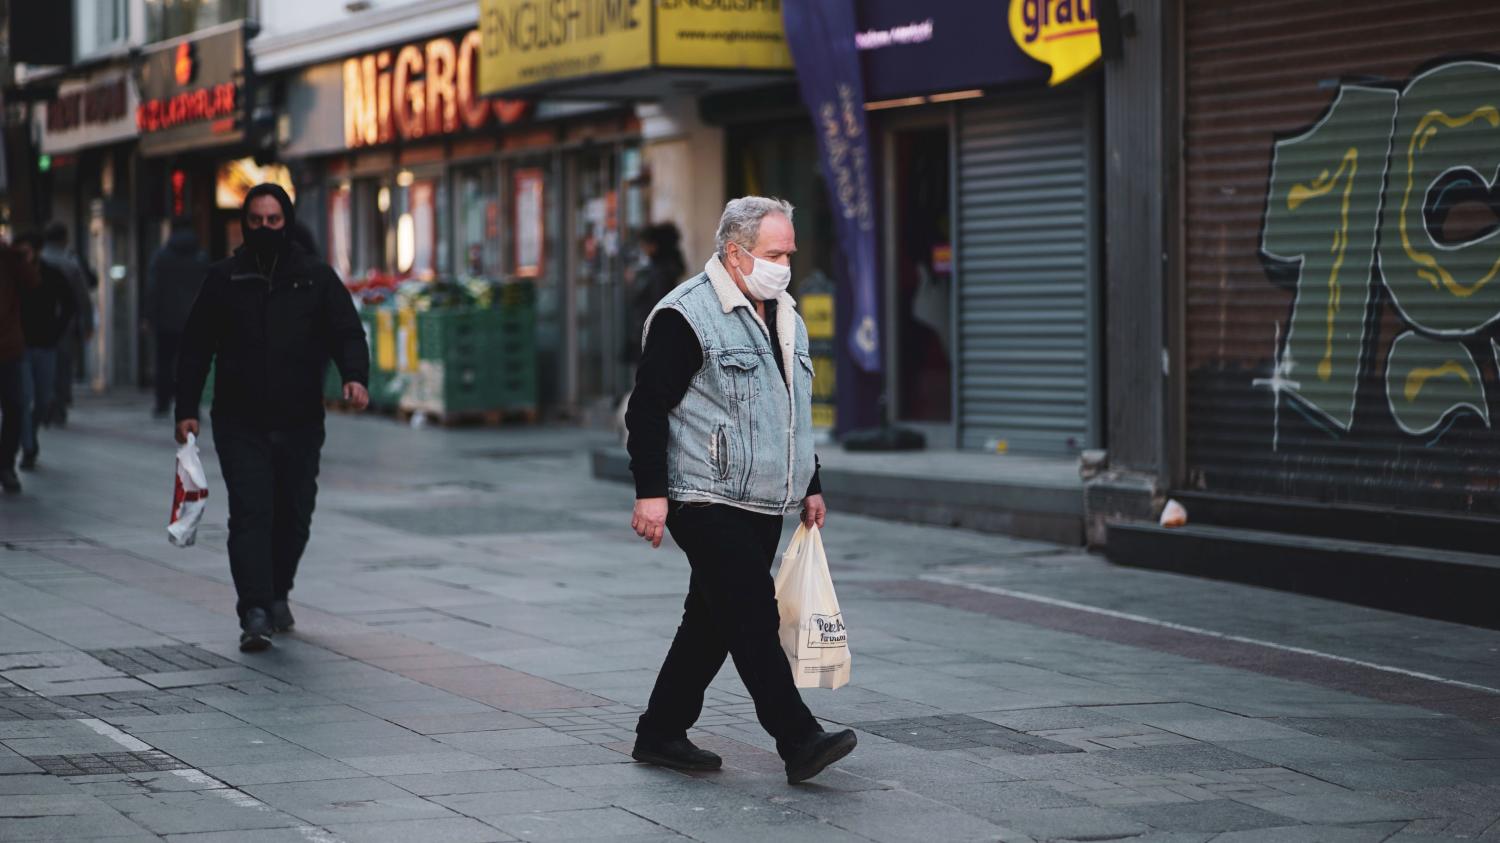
(1061,33)
(721,33)
(527,44)
(530,42)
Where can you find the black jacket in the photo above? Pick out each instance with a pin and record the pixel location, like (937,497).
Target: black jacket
(47,309)
(176,272)
(270,339)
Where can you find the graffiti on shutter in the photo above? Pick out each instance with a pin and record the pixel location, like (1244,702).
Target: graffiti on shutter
(1358,221)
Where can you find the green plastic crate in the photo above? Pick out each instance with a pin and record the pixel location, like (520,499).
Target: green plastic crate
(475,359)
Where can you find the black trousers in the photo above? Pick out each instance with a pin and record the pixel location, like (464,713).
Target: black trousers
(730,611)
(11,399)
(166,368)
(272,479)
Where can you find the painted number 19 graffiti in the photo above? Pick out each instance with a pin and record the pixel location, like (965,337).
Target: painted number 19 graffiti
(1396,187)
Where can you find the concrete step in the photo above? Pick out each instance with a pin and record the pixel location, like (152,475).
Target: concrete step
(1031,498)
(1447,585)
(1385,525)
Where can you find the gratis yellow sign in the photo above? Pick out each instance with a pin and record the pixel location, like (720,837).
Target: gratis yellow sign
(717,34)
(1061,33)
(525,43)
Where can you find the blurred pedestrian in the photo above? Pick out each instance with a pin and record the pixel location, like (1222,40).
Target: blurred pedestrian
(79,330)
(46,311)
(173,278)
(18,275)
(661,268)
(271,316)
(721,448)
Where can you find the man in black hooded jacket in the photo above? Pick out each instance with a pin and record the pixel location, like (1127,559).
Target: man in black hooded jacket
(271,316)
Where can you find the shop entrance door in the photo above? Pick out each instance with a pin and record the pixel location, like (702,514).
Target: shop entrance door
(919,277)
(593,281)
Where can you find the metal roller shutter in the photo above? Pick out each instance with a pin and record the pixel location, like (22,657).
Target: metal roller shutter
(1342,231)
(1026,264)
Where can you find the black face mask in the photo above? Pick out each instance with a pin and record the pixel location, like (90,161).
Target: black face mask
(265,242)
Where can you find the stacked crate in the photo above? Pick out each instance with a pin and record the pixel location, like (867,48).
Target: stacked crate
(473,360)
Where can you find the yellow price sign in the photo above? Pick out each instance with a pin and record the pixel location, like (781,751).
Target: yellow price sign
(817,313)
(823,415)
(385,340)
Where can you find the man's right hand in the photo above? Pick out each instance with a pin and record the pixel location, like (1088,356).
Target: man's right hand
(185,427)
(650,519)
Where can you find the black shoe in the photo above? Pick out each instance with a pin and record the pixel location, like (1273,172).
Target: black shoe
(28,459)
(281,616)
(9,481)
(256,634)
(677,754)
(817,753)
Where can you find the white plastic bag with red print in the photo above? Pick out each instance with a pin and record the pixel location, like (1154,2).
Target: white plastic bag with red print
(190,497)
(812,627)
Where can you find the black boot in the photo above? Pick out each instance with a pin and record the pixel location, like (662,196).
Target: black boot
(281,616)
(255,632)
(677,754)
(817,753)
(9,481)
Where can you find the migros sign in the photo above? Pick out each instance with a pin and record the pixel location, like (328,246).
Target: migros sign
(417,91)
(1061,33)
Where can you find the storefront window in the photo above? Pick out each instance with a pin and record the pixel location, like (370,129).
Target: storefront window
(923,268)
(99,25)
(601,196)
(477,208)
(341,230)
(374,234)
(171,18)
(419,204)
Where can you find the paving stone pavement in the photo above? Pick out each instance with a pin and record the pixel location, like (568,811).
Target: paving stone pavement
(477,632)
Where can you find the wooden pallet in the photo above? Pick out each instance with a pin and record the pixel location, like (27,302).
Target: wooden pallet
(483,418)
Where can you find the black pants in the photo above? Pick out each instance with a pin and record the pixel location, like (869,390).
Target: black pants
(272,479)
(730,611)
(11,399)
(166,369)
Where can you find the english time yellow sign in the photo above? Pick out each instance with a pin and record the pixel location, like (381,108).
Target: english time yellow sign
(531,44)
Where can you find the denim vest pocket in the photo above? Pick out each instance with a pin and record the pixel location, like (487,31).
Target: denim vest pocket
(738,370)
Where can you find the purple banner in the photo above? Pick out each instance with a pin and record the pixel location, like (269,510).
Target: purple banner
(820,34)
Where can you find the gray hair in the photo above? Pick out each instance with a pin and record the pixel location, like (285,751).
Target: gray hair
(741,221)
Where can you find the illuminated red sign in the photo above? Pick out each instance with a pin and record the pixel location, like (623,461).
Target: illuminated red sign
(182,65)
(419,91)
(210,104)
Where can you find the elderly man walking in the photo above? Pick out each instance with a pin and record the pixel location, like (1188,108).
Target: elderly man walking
(720,441)
(270,317)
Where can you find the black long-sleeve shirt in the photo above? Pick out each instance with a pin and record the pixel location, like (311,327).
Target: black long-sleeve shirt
(671,358)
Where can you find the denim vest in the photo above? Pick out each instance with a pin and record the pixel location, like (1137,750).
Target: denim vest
(742,435)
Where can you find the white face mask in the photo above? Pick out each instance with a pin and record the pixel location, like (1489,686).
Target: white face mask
(766,280)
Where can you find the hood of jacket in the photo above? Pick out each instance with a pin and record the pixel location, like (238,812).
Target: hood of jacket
(183,242)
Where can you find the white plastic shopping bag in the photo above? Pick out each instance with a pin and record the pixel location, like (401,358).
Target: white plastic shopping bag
(190,497)
(812,627)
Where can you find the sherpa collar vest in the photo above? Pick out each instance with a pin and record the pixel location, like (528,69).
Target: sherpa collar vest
(742,434)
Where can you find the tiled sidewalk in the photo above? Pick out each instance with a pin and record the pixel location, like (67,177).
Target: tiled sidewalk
(478,630)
